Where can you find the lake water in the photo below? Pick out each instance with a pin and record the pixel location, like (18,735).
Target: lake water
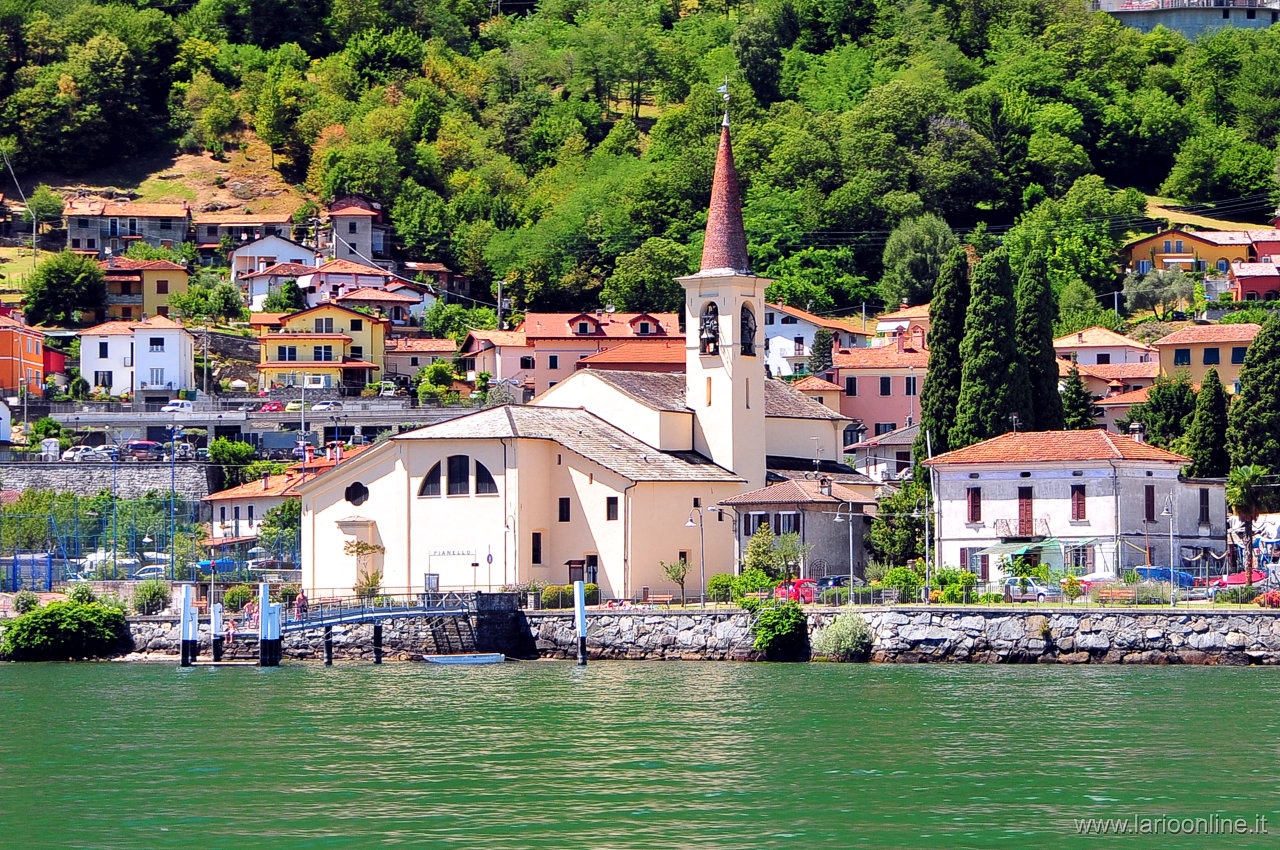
(630,755)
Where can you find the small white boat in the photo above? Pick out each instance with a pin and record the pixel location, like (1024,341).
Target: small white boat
(466,658)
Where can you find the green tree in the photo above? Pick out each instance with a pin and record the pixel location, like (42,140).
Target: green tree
(1159,291)
(897,534)
(677,572)
(1253,423)
(760,553)
(1247,497)
(289,298)
(1218,162)
(1167,412)
(233,457)
(1036,313)
(63,288)
(644,279)
(941,391)
(1206,441)
(43,205)
(225,301)
(913,258)
(1079,413)
(993,384)
(821,352)
(454,321)
(281,527)
(790,553)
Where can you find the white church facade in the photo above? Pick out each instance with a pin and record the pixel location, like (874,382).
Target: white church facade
(599,477)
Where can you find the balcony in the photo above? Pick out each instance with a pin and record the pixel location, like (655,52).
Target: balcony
(114,299)
(1011,528)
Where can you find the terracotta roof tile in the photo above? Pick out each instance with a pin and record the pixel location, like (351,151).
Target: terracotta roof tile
(285,269)
(612,325)
(798,491)
(114,328)
(408,343)
(725,247)
(500,338)
(161,323)
(319,464)
(821,321)
(243,218)
(1121,399)
(1254,270)
(1123,371)
(813,383)
(920,311)
(1098,337)
(1243,332)
(259,319)
(101,207)
(1057,446)
(369,293)
(666,391)
(656,351)
(348,267)
(880,357)
(129,264)
(353,210)
(277,485)
(904,436)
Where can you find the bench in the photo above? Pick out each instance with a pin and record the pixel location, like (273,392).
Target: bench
(1116,594)
(661,599)
(757,594)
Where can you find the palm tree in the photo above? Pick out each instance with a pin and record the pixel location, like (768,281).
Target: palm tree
(1245,496)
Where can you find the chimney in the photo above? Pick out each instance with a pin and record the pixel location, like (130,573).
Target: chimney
(824,486)
(266,476)
(1137,431)
(901,340)
(1079,336)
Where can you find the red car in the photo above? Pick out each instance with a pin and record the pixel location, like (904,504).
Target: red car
(272,407)
(800,590)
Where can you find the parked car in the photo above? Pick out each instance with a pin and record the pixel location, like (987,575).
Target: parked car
(250,406)
(297,405)
(1088,580)
(1030,590)
(272,407)
(186,451)
(103,454)
(152,571)
(829,582)
(202,454)
(77,452)
(800,590)
(178,405)
(326,405)
(143,450)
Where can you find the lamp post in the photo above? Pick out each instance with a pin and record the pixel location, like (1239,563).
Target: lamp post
(175,434)
(1173,587)
(922,510)
(702,555)
(849,519)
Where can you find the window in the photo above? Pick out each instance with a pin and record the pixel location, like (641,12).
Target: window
(1104,360)
(1168,246)
(166,224)
(102,348)
(1177,247)
(1237,354)
(709,330)
(1223,266)
(850,385)
(885,427)
(102,379)
(973,498)
(413,361)
(1144,266)
(584,327)
(1026,523)
(788,523)
(789,320)
(222,515)
(357,493)
(75,242)
(1150,512)
(645,328)
(910,385)
(324,326)
(162,310)
(286,352)
(351,227)
(459,467)
(611,508)
(682,555)
(1077,502)
(322,353)
(235,514)
(1211,357)
(162,287)
(886,385)
(485,485)
(357,324)
(157,377)
(564,509)
(747,331)
(82,222)
(535,548)
(768,318)
(126,312)
(156,343)
(251,515)
(553,361)
(797,346)
(91,243)
(752,522)
(526,362)
(1182,357)
(431,484)
(902,461)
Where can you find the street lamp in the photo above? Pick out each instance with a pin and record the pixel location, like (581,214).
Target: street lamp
(922,510)
(840,517)
(1173,587)
(702,554)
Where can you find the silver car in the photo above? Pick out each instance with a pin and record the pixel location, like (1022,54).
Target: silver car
(1030,589)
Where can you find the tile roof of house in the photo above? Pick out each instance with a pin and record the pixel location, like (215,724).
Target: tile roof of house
(278,269)
(820,321)
(101,206)
(112,328)
(1220,237)
(1255,270)
(1096,337)
(724,247)
(283,484)
(348,267)
(1056,446)
(813,384)
(1243,332)
(666,391)
(1065,364)
(369,293)
(904,436)
(243,218)
(1125,371)
(783,468)
(161,323)
(500,338)
(880,357)
(8,497)
(428,267)
(353,210)
(582,432)
(610,325)
(919,311)
(1122,399)
(320,464)
(129,264)
(663,351)
(10,322)
(266,318)
(798,491)
(410,343)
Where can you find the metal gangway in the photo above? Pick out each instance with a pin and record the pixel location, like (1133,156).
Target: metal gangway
(348,610)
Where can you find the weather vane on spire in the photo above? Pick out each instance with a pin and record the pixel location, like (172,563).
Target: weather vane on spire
(724,90)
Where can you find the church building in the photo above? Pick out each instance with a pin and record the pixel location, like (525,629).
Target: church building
(602,477)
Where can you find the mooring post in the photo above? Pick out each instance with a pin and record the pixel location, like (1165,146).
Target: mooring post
(269,650)
(215,630)
(328,646)
(377,643)
(190,627)
(580,617)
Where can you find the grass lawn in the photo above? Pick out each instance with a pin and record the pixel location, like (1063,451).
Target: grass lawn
(15,265)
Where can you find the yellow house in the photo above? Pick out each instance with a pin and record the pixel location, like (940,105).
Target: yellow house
(137,289)
(1189,250)
(1195,349)
(323,346)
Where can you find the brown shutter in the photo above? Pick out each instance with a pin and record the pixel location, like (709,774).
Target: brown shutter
(1151,503)
(975,504)
(1024,512)
(1077,502)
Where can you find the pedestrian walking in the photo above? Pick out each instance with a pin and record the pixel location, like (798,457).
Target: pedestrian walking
(300,605)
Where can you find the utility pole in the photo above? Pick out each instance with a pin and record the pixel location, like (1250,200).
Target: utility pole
(206,358)
(500,304)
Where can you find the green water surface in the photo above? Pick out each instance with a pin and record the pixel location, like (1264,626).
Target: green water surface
(629,755)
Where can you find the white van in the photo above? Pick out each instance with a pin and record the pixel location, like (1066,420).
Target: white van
(178,405)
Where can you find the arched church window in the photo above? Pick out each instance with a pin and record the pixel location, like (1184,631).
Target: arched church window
(709,330)
(748,331)
(484,480)
(431,484)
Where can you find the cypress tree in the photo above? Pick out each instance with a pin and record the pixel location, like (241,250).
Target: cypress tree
(1207,439)
(941,389)
(1253,429)
(820,352)
(1037,310)
(1079,413)
(993,382)
(1167,413)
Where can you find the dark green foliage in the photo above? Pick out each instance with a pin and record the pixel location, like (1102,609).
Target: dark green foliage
(289,298)
(236,596)
(64,288)
(1248,496)
(1206,441)
(907,580)
(781,631)
(1253,430)
(25,600)
(941,391)
(151,596)
(454,321)
(644,279)
(897,536)
(913,258)
(820,354)
(993,384)
(1167,412)
(281,527)
(81,594)
(1079,413)
(1037,310)
(65,630)
(43,205)
(720,587)
(233,457)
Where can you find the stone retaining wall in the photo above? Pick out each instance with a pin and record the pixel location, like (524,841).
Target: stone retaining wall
(133,480)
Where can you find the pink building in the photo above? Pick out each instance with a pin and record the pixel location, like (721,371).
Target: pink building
(880,386)
(1255,281)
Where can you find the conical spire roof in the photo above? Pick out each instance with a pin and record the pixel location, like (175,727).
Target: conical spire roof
(724,250)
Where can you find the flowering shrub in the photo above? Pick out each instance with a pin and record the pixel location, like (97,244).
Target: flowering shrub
(1270,599)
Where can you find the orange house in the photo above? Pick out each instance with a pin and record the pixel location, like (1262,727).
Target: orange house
(1192,250)
(21,357)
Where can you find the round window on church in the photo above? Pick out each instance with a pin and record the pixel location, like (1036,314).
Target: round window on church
(357,493)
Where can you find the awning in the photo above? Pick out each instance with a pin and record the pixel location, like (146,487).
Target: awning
(1020,548)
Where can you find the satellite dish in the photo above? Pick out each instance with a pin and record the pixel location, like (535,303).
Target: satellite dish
(609,308)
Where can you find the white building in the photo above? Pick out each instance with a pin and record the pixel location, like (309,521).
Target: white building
(154,358)
(269,251)
(1084,500)
(887,456)
(788,336)
(1102,347)
(603,478)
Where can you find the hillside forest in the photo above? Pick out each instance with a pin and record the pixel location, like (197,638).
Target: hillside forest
(565,147)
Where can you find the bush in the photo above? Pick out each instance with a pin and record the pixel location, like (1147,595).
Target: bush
(989,598)
(1270,599)
(848,638)
(954,594)
(25,600)
(1149,593)
(751,581)
(151,596)
(835,596)
(863,595)
(557,596)
(1236,595)
(234,598)
(590,594)
(82,594)
(907,581)
(62,630)
(287,593)
(781,631)
(720,587)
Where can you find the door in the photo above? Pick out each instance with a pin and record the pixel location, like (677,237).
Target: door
(576,569)
(592,570)
(1025,527)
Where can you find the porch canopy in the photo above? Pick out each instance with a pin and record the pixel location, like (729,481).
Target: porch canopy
(1049,550)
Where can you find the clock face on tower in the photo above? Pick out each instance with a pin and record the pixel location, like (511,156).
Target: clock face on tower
(709,330)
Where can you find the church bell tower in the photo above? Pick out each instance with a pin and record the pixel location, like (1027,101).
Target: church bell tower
(724,347)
